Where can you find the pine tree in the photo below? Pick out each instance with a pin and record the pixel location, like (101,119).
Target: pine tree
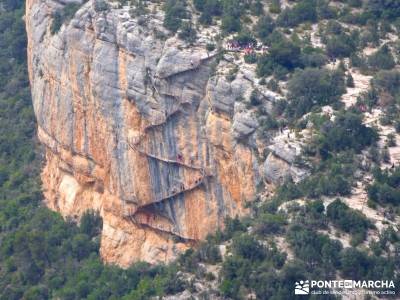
(349,81)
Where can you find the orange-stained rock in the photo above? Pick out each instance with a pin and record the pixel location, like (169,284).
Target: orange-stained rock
(138,128)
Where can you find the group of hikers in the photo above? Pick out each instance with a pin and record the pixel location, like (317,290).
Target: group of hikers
(248,47)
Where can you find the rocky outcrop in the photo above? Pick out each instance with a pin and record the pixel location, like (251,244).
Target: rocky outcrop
(136,126)
(280,164)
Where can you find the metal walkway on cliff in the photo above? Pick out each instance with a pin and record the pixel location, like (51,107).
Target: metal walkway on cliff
(178,161)
(177,190)
(181,188)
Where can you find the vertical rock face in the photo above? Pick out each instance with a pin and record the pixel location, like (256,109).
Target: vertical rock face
(135,125)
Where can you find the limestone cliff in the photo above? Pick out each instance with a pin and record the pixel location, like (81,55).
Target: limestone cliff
(140,126)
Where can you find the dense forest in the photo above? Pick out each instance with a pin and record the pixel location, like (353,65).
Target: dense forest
(43,256)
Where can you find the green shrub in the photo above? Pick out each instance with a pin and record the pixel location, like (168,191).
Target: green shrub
(230,24)
(382,59)
(188,32)
(245,37)
(397,126)
(283,55)
(315,207)
(349,81)
(257,8)
(325,11)
(275,7)
(247,247)
(209,252)
(334,27)
(357,61)
(210,47)
(250,58)
(139,8)
(355,3)
(284,52)
(313,87)
(100,5)
(267,123)
(385,155)
(391,140)
(270,224)
(199,4)
(313,248)
(91,223)
(346,132)
(233,226)
(342,45)
(354,264)
(240,274)
(302,11)
(255,98)
(175,11)
(273,85)
(312,58)
(387,81)
(264,27)
(348,220)
(329,183)
(383,9)
(385,188)
(208,8)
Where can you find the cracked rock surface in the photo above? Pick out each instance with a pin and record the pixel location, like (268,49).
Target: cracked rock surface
(136,125)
